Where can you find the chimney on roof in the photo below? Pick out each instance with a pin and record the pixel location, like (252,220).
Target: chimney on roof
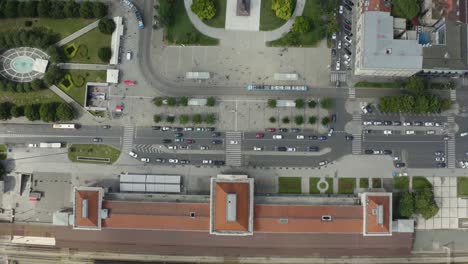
(84,208)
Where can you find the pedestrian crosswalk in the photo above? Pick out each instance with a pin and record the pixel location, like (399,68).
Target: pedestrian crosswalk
(144,148)
(233,148)
(357,117)
(127,142)
(453,95)
(338,76)
(357,144)
(451,159)
(352,93)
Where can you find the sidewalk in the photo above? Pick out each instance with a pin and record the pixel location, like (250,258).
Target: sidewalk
(78,33)
(79,66)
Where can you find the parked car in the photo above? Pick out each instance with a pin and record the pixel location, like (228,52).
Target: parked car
(173,161)
(211,129)
(441,165)
(340,9)
(281,148)
(338,66)
(160,160)
(145,160)
(428,123)
(283,130)
(323,138)
(216,134)
(129,82)
(387,152)
(188,128)
(313,137)
(348,7)
(463,134)
(347,21)
(300,137)
(178,135)
(178,140)
(333,52)
(133,154)
(347,51)
(400,164)
(377,123)
(166,128)
(271,129)
(349,2)
(216,142)
(190,141)
(368,151)
(323,163)
(207,161)
(218,162)
(330,132)
(259,135)
(292,149)
(257,148)
(440,158)
(184,161)
(277,136)
(106,126)
(313,148)
(97,139)
(348,27)
(295,130)
(430,132)
(177,129)
(203,147)
(409,132)
(387,123)
(439,153)
(396,123)
(166,141)
(366,123)
(417,123)
(387,132)
(348,39)
(407,123)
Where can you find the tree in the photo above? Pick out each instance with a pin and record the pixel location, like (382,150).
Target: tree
(406,204)
(204,9)
(326,103)
(170,119)
(421,105)
(285,120)
(43,8)
(299,120)
(197,119)
(184,101)
(56,9)
(445,104)
(210,119)
(164,12)
(2,171)
(65,112)
(272,119)
(312,104)
(55,54)
(53,75)
(5,110)
(30,9)
(171,101)
(158,101)
(105,54)
(11,9)
(424,203)
(283,8)
(184,119)
(37,85)
(312,120)
(299,103)
(31,112)
(332,25)
(416,86)
(405,8)
(71,9)
(211,101)
(86,9)
(47,112)
(325,121)
(157,118)
(16,111)
(271,103)
(106,26)
(301,25)
(99,9)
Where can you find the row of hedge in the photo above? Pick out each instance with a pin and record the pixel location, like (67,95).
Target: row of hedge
(47,112)
(52,9)
(36,38)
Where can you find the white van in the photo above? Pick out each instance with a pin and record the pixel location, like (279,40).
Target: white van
(129,55)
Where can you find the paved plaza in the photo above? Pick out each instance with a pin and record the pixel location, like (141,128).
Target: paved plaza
(19,64)
(248,23)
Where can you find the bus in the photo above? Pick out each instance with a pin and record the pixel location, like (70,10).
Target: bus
(278,88)
(65,126)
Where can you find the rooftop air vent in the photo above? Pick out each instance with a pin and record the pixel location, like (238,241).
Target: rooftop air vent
(326,218)
(283,220)
(388,51)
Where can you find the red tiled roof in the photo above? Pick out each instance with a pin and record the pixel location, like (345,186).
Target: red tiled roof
(372,225)
(376,5)
(93,207)
(242,204)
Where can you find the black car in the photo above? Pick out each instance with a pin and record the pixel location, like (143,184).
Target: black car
(283,130)
(166,141)
(295,130)
(347,51)
(400,164)
(367,131)
(347,21)
(368,151)
(156,127)
(313,137)
(211,129)
(396,123)
(177,129)
(216,134)
(369,108)
(218,162)
(387,152)
(417,123)
(178,135)
(441,165)
(349,137)
(387,123)
(313,148)
(323,138)
(333,51)
(348,7)
(97,139)
(160,160)
(347,27)
(349,2)
(281,149)
(333,118)
(349,35)
(216,142)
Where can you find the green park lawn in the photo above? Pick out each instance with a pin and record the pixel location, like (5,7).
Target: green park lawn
(219,21)
(93,151)
(64,27)
(36,97)
(313,185)
(401,183)
(289,185)
(181,31)
(462,186)
(346,185)
(88,46)
(79,79)
(268,18)
(420,183)
(364,183)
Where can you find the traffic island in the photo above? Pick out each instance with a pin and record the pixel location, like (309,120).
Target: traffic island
(93,153)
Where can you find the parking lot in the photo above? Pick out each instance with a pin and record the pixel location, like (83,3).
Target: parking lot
(342,40)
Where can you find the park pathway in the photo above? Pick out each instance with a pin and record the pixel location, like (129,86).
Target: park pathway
(225,36)
(79,66)
(78,33)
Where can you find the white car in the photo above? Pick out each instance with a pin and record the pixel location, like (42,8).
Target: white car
(346,56)
(428,123)
(133,154)
(337,66)
(364,109)
(234,142)
(430,132)
(377,152)
(334,36)
(165,128)
(291,149)
(171,147)
(367,123)
(32,145)
(330,132)
(346,62)
(440,159)
(340,9)
(203,147)
(463,134)
(437,124)
(188,128)
(407,124)
(409,132)
(323,163)
(300,137)
(207,161)
(277,136)
(339,44)
(257,148)
(173,161)
(387,132)
(347,38)
(129,55)
(462,164)
(144,160)
(377,123)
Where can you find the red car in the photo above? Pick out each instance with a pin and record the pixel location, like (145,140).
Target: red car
(129,82)
(259,135)
(190,141)
(270,129)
